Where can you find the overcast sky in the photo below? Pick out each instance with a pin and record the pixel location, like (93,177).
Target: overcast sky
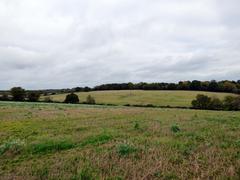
(68,43)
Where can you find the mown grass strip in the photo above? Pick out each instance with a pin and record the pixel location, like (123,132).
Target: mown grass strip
(96,140)
(51,146)
(55,146)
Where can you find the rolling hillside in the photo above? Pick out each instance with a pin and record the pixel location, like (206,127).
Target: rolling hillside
(140,97)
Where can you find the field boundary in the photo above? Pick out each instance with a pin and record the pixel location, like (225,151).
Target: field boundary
(107,105)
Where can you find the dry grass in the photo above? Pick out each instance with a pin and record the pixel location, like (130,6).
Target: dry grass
(75,142)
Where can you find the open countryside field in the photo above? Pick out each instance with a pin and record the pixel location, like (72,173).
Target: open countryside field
(60,141)
(140,97)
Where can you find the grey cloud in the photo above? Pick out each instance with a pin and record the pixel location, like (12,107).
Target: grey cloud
(67,43)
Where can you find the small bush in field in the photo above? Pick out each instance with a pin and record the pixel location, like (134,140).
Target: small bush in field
(90,100)
(72,98)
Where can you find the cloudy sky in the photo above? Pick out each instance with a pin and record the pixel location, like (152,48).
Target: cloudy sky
(68,43)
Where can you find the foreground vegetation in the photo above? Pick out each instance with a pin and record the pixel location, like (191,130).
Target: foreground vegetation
(140,97)
(60,141)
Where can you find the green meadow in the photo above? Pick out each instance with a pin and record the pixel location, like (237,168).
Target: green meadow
(60,141)
(140,97)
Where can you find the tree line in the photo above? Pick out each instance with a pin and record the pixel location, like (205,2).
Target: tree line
(213,86)
(20,94)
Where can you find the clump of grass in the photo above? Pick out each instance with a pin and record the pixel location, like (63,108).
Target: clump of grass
(125,149)
(117,178)
(225,144)
(184,148)
(29,113)
(51,146)
(175,128)
(237,143)
(96,140)
(136,126)
(12,146)
(41,173)
(81,128)
(84,174)
(170,176)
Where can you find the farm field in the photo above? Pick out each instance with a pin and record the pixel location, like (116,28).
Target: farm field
(140,97)
(60,141)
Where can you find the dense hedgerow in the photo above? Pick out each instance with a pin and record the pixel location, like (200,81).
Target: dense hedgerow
(205,102)
(213,86)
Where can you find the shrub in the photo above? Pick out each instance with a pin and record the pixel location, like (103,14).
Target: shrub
(86,173)
(4,97)
(205,102)
(201,102)
(175,128)
(18,94)
(136,125)
(90,100)
(72,98)
(228,102)
(216,104)
(33,96)
(232,103)
(236,103)
(125,149)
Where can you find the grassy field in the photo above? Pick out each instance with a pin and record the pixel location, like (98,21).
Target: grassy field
(58,141)
(139,97)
